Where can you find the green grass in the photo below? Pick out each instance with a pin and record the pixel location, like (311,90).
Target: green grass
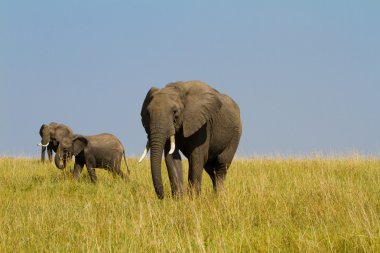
(268,205)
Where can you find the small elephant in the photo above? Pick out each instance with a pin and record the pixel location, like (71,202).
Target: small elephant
(96,151)
(197,120)
(51,135)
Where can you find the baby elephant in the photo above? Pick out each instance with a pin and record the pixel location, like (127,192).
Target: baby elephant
(97,151)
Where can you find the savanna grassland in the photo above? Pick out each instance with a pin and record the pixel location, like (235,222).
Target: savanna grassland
(268,205)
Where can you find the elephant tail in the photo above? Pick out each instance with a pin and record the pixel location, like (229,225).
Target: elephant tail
(126,164)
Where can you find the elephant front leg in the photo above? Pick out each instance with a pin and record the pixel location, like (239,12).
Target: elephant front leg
(196,163)
(50,154)
(174,166)
(210,169)
(43,149)
(91,171)
(78,167)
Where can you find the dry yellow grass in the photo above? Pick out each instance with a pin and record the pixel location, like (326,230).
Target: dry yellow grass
(291,205)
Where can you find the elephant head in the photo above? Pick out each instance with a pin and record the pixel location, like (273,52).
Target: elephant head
(46,133)
(68,147)
(51,135)
(179,108)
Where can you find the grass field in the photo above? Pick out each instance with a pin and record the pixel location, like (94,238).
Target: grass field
(268,205)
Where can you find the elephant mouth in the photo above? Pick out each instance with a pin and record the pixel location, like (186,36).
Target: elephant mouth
(147,147)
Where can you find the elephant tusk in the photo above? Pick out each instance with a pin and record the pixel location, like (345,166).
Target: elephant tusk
(172,145)
(143,155)
(147,147)
(42,145)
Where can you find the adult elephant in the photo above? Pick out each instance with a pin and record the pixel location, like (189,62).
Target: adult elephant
(197,120)
(51,135)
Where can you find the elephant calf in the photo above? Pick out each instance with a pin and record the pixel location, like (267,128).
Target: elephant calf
(97,151)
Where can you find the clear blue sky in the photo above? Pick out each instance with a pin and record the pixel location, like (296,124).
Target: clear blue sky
(306,74)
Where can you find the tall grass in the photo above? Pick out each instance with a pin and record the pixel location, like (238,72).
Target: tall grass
(291,205)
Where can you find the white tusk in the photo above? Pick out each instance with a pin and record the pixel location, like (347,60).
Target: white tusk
(143,155)
(145,152)
(42,145)
(172,145)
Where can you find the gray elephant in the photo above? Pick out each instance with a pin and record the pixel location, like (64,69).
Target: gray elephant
(51,135)
(96,151)
(197,120)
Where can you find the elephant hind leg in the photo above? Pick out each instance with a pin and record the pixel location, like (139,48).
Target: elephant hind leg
(225,158)
(217,172)
(220,174)
(228,153)
(117,171)
(122,174)
(210,169)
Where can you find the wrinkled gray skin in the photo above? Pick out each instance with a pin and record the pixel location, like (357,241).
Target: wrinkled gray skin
(96,151)
(53,134)
(207,129)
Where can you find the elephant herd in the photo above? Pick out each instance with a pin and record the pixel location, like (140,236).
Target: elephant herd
(96,151)
(190,117)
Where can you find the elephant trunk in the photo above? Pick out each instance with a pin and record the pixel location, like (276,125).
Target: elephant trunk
(43,149)
(57,160)
(157,146)
(45,140)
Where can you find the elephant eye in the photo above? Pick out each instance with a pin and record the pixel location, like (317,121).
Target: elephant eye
(175,112)
(175,116)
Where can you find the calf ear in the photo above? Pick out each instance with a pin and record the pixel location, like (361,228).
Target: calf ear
(79,143)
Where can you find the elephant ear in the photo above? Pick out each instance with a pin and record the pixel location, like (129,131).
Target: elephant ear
(146,102)
(59,133)
(79,143)
(42,129)
(200,107)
